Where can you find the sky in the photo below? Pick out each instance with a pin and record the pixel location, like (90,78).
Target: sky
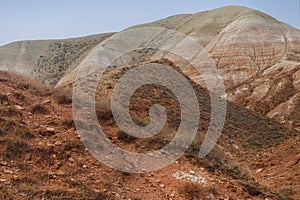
(54,19)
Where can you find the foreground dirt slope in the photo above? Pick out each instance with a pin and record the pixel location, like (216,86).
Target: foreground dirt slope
(278,166)
(42,157)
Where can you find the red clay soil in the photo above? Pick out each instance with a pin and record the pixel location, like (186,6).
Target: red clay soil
(41,157)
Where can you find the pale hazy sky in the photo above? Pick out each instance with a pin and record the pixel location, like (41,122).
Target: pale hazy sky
(41,19)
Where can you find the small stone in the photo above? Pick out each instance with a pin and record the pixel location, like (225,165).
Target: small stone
(48,132)
(211,195)
(60,172)
(84,166)
(71,160)
(40,144)
(57,164)
(50,129)
(162,185)
(95,190)
(57,143)
(23,194)
(3,163)
(19,107)
(259,170)
(47,101)
(7,171)
(2,180)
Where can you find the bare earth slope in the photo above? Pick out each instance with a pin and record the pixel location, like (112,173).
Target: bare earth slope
(275,92)
(42,157)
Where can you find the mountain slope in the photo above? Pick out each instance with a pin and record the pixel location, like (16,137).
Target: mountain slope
(47,60)
(274,92)
(248,47)
(42,157)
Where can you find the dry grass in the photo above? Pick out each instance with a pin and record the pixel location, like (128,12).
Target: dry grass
(10,112)
(12,127)
(68,123)
(192,190)
(15,148)
(62,95)
(6,192)
(103,109)
(58,193)
(24,82)
(39,109)
(286,192)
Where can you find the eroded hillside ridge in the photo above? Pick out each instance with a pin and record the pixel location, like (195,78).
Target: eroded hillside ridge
(47,60)
(256,55)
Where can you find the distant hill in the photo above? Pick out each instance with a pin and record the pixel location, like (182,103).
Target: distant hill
(47,60)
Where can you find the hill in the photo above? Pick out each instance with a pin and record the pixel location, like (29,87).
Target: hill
(256,157)
(42,156)
(47,60)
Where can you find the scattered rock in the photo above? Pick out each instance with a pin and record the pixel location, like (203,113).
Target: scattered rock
(19,107)
(57,164)
(48,132)
(47,101)
(3,163)
(58,143)
(259,170)
(84,166)
(8,171)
